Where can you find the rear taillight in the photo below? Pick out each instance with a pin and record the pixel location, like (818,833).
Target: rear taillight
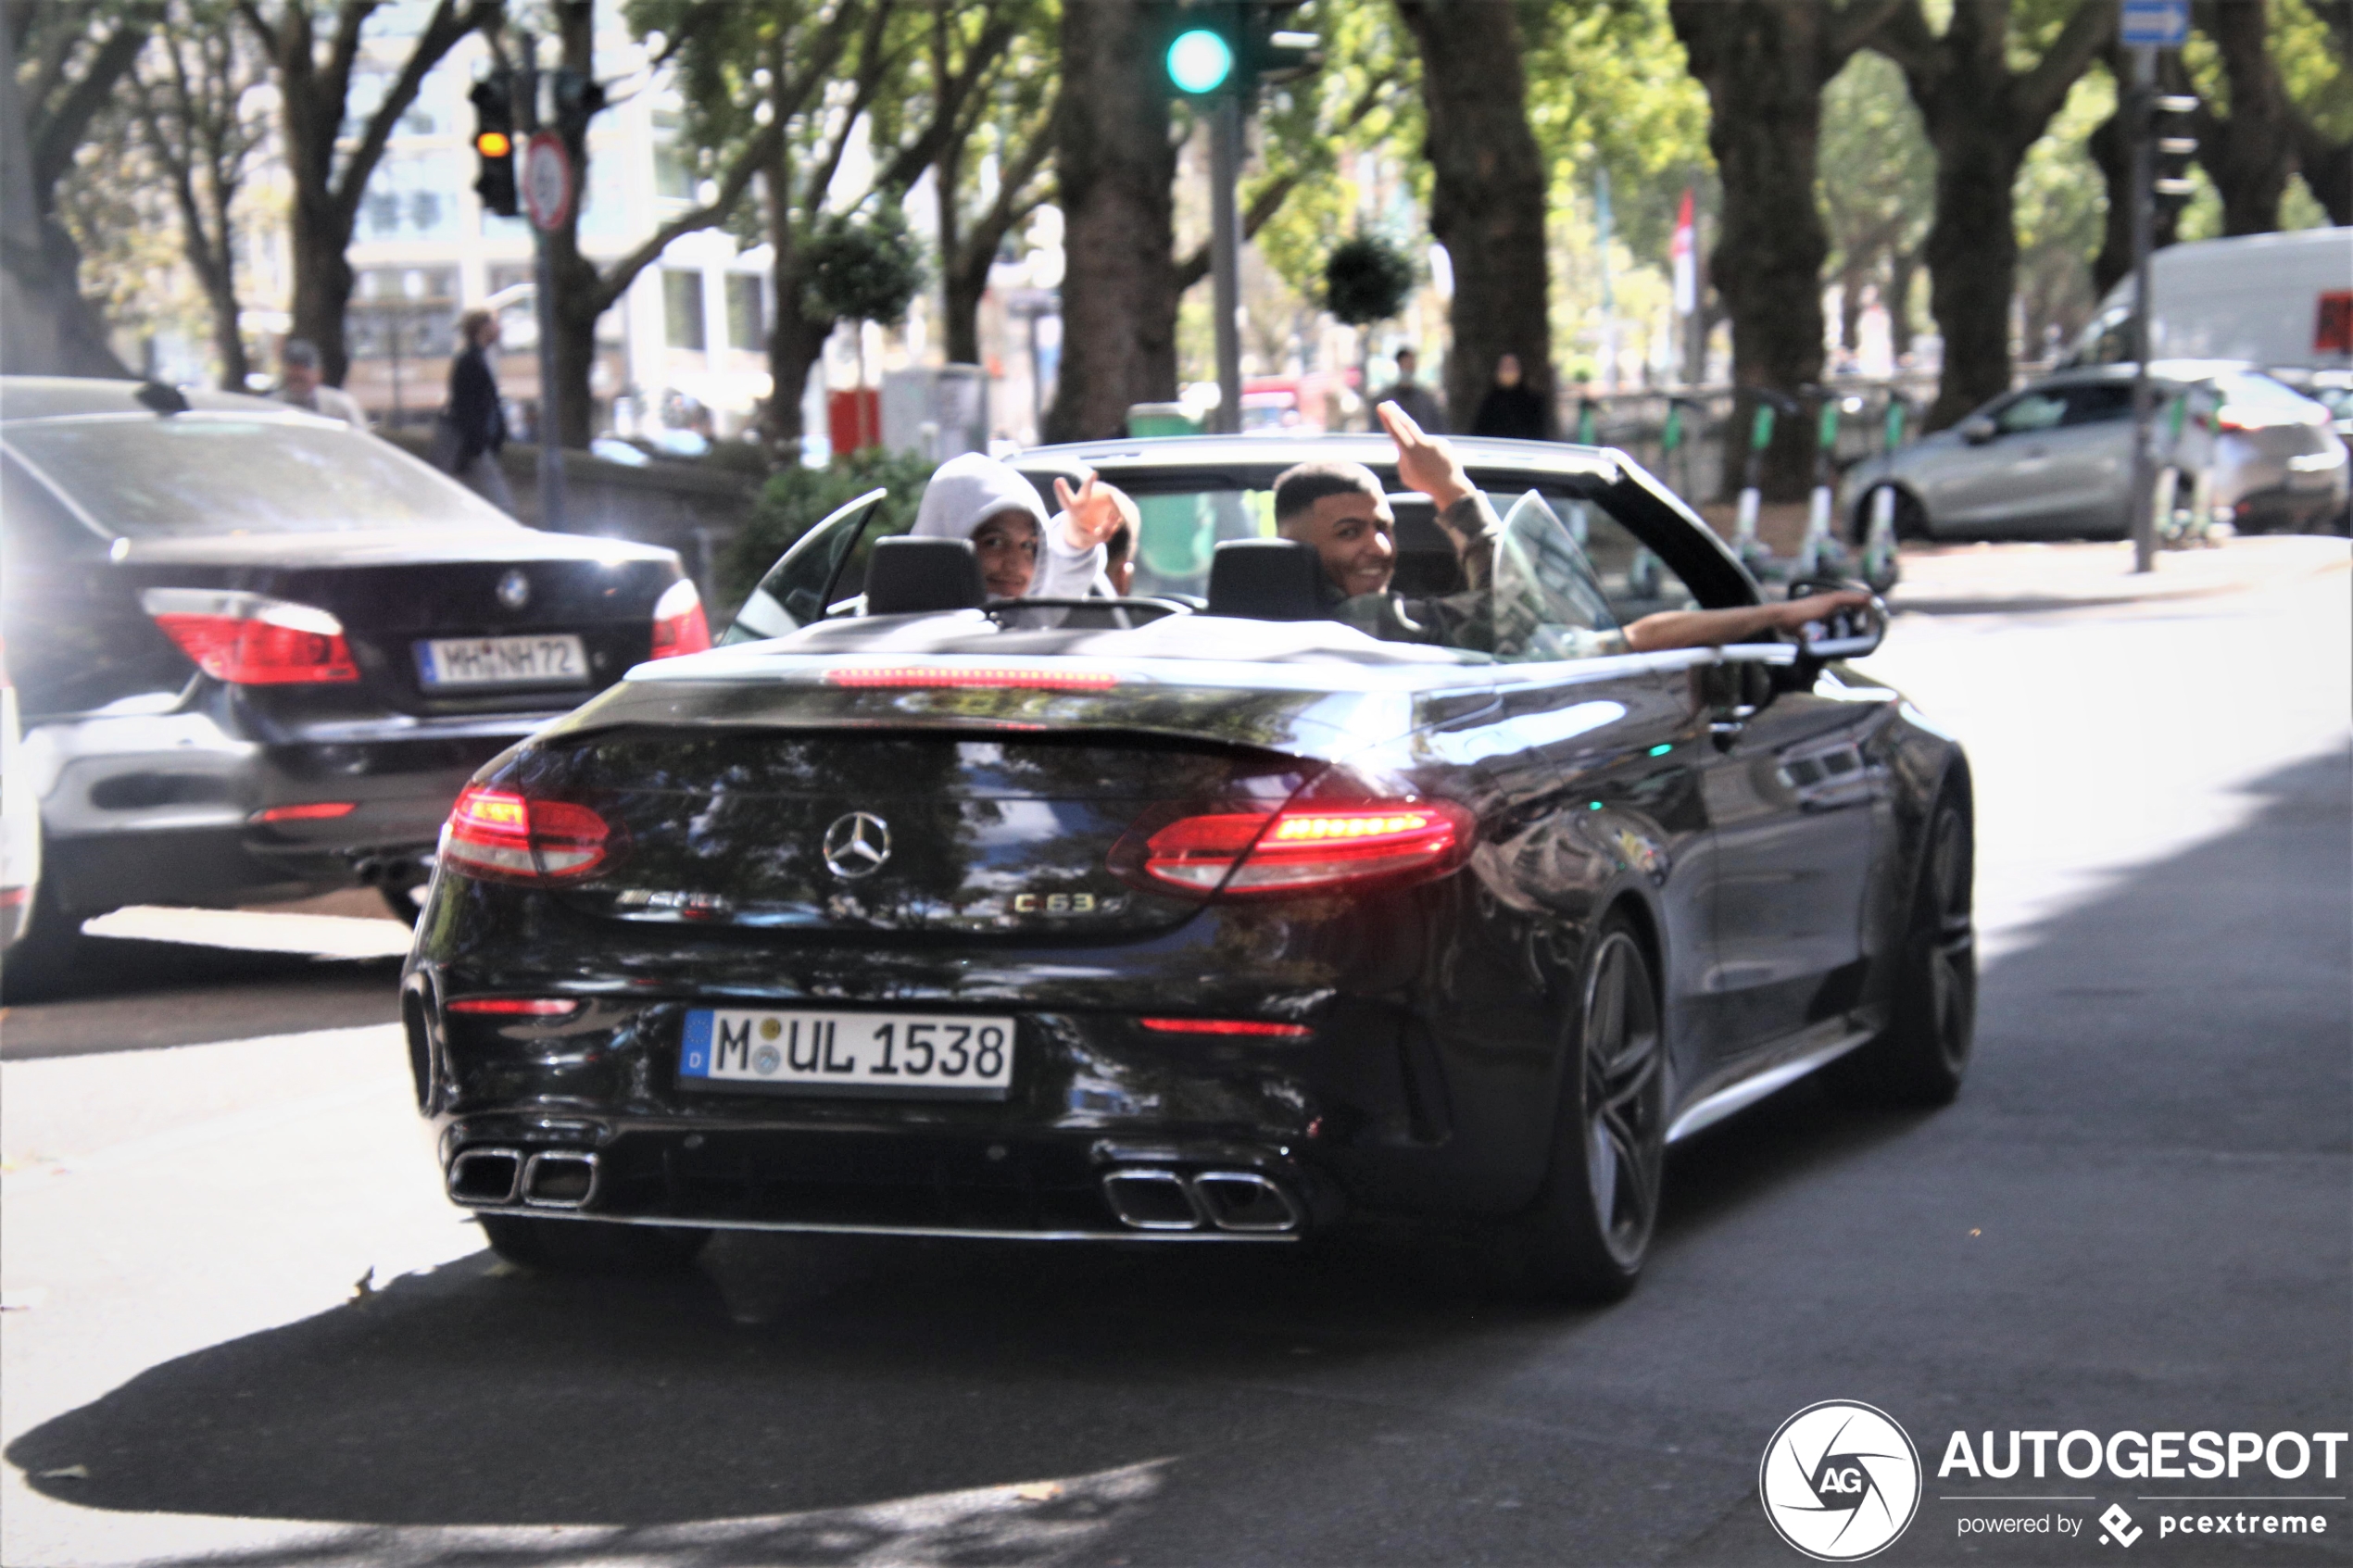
(1309,848)
(497,833)
(679,626)
(251,640)
(516,1006)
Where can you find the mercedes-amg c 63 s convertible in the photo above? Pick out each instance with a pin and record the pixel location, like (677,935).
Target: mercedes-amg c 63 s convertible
(1197,915)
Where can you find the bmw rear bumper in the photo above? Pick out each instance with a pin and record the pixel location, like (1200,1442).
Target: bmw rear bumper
(168,807)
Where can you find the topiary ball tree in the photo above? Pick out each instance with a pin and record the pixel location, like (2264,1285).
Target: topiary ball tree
(1366,280)
(864,269)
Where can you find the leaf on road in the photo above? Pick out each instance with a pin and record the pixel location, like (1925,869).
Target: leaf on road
(70,1473)
(364,1286)
(1037,1491)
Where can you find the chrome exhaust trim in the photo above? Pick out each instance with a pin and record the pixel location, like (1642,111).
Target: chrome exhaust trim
(485,1177)
(561,1178)
(1244,1200)
(1152,1199)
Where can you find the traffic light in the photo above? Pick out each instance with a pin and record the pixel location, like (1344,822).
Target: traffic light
(2171,151)
(578,98)
(1205,46)
(494,101)
(1217,44)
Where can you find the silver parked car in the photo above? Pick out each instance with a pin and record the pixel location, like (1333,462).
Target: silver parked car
(2054,459)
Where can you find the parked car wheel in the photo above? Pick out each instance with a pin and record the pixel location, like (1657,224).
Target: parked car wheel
(1586,1237)
(586,1246)
(39,960)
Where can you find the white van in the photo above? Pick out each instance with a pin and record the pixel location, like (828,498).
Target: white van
(2274,301)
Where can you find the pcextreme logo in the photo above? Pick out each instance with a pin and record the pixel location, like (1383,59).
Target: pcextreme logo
(1840,1481)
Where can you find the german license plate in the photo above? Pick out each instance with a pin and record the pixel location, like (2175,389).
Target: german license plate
(920,1055)
(543,659)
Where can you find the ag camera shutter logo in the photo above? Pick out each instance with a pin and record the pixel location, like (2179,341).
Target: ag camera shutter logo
(1840,1481)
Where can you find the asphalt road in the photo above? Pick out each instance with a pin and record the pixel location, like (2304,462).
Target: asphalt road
(2138,1216)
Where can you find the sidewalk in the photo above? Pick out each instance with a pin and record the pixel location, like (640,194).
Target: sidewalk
(1987,579)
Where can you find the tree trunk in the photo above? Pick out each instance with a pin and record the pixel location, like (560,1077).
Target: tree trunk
(582,299)
(46,327)
(1982,119)
(962,287)
(2328,170)
(323,280)
(1972,262)
(1487,198)
(1115,165)
(1763,64)
(2250,155)
(1902,268)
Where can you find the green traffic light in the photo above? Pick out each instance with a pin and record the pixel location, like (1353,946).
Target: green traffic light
(1200,61)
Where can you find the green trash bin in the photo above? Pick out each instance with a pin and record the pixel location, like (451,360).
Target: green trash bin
(1161,419)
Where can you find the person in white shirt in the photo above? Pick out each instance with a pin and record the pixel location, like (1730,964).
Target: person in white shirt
(298,384)
(1023,553)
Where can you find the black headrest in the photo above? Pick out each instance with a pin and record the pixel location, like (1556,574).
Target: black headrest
(920,576)
(1267,579)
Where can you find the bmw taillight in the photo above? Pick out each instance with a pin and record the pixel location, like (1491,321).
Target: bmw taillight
(1316,848)
(679,626)
(251,640)
(500,834)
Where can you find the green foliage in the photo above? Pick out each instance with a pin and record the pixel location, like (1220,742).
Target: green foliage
(1367,280)
(795,499)
(864,267)
(1608,88)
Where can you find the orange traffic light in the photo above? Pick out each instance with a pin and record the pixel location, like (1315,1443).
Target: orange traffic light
(494,144)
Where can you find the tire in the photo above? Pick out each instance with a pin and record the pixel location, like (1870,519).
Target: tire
(586,1247)
(1912,522)
(1922,1057)
(1586,1236)
(42,963)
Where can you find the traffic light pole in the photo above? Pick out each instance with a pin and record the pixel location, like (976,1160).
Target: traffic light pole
(1225,254)
(550,425)
(2143,124)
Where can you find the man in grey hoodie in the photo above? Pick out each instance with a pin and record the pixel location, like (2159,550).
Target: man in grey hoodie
(1024,553)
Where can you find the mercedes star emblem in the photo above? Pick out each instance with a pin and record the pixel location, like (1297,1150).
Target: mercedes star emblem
(856,844)
(514,590)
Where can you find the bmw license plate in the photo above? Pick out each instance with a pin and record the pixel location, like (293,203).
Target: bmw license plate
(920,1055)
(547,660)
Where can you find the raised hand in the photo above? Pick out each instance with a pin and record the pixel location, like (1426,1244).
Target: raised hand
(1425,462)
(1091,514)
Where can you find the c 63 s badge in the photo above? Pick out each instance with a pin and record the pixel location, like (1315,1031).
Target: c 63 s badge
(1064,904)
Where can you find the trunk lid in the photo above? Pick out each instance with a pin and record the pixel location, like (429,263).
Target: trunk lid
(871,831)
(400,593)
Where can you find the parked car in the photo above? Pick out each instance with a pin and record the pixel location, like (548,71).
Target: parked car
(2054,459)
(258,653)
(1109,921)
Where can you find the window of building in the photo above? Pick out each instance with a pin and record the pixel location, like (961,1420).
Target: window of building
(747,313)
(681,309)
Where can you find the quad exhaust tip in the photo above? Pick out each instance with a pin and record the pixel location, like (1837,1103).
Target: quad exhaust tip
(493,1178)
(1156,1198)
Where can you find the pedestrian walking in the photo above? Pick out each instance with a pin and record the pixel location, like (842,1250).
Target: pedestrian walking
(300,385)
(473,427)
(1510,407)
(1418,401)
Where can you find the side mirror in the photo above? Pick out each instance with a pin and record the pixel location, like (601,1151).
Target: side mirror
(1977,430)
(1846,633)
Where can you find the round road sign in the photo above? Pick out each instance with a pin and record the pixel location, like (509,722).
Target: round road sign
(547,181)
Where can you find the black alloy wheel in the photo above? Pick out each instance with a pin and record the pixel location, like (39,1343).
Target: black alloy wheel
(1922,1056)
(588,1246)
(1586,1237)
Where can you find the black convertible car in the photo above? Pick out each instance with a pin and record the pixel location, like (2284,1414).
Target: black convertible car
(1165,920)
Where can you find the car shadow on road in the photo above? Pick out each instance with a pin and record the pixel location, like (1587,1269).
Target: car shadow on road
(772,1404)
(124,995)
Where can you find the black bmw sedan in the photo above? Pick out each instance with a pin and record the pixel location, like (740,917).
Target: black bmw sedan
(258,653)
(1195,917)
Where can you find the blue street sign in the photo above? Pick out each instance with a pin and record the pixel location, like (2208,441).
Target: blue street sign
(2163,24)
